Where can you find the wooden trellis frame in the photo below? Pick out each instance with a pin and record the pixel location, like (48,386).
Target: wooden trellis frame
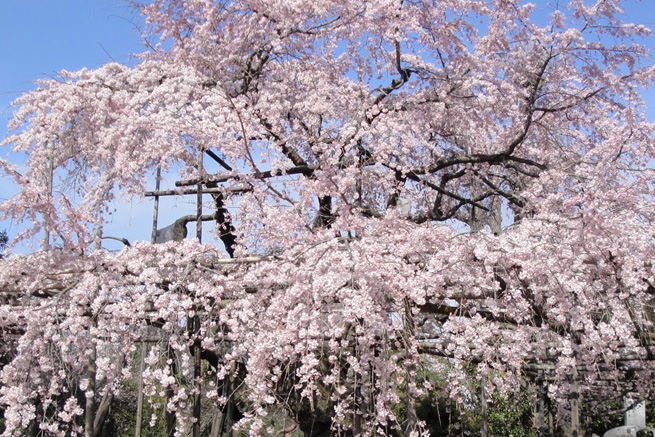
(537,367)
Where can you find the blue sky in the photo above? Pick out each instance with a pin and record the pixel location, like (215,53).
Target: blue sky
(38,38)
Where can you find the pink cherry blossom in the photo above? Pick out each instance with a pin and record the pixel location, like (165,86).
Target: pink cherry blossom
(409,186)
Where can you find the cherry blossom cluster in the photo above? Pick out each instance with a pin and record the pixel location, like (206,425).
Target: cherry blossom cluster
(407,187)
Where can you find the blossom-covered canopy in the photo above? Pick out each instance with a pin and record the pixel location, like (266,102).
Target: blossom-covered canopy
(405,184)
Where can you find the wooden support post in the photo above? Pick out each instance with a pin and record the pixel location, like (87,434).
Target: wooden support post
(170,393)
(197,376)
(374,391)
(575,406)
(102,411)
(221,416)
(217,423)
(229,419)
(412,418)
(229,414)
(155,213)
(90,407)
(139,400)
(496,216)
(50,176)
(541,420)
(195,328)
(97,239)
(153,240)
(92,354)
(199,199)
(357,405)
(484,432)
(478,217)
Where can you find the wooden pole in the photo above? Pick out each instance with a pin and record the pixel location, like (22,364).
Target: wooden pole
(218,431)
(170,393)
(541,421)
(139,401)
(90,406)
(190,191)
(575,406)
(50,176)
(357,405)
(197,376)
(229,414)
(478,217)
(153,240)
(199,199)
(195,328)
(224,418)
(155,213)
(89,416)
(213,180)
(484,432)
(410,377)
(217,423)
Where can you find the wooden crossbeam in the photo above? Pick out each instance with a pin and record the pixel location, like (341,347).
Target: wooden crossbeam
(213,180)
(182,192)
